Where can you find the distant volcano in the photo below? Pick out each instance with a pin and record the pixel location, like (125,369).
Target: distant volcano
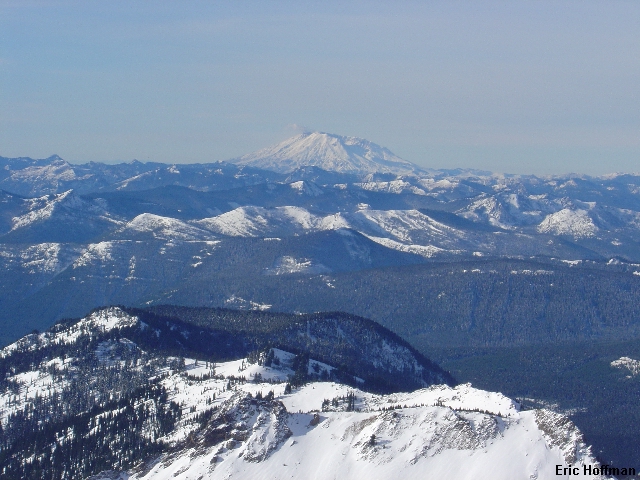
(330,152)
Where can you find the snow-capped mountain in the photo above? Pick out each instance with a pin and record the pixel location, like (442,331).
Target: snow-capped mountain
(457,261)
(330,152)
(442,432)
(124,395)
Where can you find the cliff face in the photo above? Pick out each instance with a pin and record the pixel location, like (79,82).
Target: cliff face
(442,432)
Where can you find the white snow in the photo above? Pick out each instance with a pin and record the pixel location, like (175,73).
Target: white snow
(427,251)
(569,222)
(633,366)
(165,228)
(95,252)
(405,226)
(288,264)
(394,186)
(240,303)
(329,152)
(437,432)
(43,257)
(307,188)
(270,222)
(240,222)
(441,432)
(104,320)
(404,230)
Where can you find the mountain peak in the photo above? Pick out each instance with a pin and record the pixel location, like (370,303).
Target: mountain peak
(329,152)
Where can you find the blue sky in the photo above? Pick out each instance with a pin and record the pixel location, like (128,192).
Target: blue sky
(523,87)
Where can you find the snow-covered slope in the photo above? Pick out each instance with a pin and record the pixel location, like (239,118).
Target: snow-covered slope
(397,229)
(263,222)
(329,152)
(445,433)
(101,380)
(403,230)
(33,176)
(61,217)
(629,364)
(569,222)
(162,228)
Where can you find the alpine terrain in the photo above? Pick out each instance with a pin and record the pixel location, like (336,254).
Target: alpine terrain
(329,259)
(139,394)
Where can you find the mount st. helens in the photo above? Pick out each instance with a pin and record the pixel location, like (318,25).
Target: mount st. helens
(147,395)
(330,152)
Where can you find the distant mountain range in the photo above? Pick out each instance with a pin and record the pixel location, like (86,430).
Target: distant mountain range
(487,273)
(74,237)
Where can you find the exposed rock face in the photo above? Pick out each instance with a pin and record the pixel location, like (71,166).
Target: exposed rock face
(256,426)
(562,433)
(255,438)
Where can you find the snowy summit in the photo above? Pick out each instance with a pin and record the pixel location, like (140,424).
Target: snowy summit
(329,152)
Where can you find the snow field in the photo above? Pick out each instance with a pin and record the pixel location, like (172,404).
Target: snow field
(437,432)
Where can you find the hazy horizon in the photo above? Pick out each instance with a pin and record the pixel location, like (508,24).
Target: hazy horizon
(527,88)
(120,161)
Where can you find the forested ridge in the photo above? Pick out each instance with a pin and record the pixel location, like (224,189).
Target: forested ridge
(489,302)
(89,395)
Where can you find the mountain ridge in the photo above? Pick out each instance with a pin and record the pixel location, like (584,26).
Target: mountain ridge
(124,394)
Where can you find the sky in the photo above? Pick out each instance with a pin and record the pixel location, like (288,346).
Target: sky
(542,87)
